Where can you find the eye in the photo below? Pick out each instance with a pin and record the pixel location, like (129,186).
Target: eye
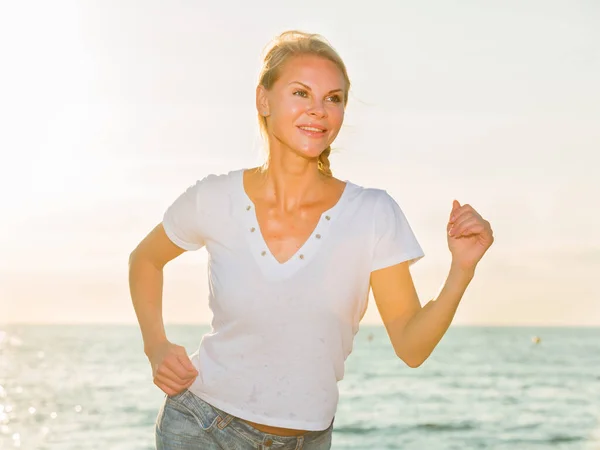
(335,98)
(302,92)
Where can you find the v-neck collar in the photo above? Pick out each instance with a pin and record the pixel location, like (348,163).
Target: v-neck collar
(270,266)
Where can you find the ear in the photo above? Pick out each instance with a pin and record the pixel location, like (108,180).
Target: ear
(262,101)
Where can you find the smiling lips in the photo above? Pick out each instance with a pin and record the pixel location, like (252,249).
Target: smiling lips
(312,131)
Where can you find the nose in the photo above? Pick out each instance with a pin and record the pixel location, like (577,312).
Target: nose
(317,109)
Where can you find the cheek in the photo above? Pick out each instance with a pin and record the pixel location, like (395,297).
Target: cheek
(336,118)
(289,107)
(285,116)
(294,111)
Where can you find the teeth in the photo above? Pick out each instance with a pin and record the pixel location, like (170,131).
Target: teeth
(311,129)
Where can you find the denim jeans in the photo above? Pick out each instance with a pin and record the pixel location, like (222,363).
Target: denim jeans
(186,422)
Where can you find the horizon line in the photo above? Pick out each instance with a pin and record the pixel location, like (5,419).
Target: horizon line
(376,325)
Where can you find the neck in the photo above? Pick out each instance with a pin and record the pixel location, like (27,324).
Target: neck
(290,182)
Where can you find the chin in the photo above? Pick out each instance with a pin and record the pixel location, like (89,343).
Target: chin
(312,149)
(309,148)
(310,152)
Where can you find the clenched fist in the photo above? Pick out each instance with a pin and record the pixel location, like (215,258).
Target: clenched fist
(172,370)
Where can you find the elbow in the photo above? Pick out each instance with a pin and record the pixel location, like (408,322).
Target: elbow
(413,363)
(136,254)
(134,259)
(131,258)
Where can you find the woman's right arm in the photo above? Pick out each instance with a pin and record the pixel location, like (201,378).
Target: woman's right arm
(171,368)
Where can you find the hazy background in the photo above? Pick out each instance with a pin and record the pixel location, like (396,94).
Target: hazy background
(109,110)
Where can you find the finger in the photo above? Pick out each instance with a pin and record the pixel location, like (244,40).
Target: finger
(455,210)
(171,364)
(174,391)
(462,218)
(487,226)
(455,205)
(167,372)
(458,223)
(185,361)
(172,383)
(464,223)
(471,230)
(466,211)
(165,389)
(168,387)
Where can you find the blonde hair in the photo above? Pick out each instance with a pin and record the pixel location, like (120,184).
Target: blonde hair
(294,43)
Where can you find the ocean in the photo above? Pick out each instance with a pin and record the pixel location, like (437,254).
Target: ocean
(89,387)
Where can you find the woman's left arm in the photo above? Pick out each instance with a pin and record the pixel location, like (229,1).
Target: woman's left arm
(414,330)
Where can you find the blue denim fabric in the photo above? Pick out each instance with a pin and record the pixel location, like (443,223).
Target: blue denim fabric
(186,422)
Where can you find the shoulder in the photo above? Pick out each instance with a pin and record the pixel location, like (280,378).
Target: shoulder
(220,182)
(209,191)
(376,206)
(215,187)
(371,197)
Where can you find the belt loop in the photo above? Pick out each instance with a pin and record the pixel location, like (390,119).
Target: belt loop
(299,443)
(222,423)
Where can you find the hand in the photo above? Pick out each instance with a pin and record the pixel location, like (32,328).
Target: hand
(469,236)
(172,370)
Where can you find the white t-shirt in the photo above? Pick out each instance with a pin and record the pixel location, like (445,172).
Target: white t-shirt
(282,332)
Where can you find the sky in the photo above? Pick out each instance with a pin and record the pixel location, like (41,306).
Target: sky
(110,110)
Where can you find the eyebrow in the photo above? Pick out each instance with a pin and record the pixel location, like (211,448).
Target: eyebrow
(308,87)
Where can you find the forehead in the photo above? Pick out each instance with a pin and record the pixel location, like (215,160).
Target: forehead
(314,71)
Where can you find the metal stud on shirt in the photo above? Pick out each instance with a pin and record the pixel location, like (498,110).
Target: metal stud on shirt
(263,253)
(252,230)
(328,217)
(318,236)
(248,208)
(301,257)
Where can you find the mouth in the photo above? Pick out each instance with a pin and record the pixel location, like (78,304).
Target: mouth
(312,131)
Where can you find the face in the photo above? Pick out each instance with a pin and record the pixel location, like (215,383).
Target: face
(305,106)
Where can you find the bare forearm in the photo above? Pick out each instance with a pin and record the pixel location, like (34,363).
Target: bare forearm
(146,286)
(426,328)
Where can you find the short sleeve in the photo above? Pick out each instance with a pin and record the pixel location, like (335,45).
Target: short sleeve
(182,219)
(395,241)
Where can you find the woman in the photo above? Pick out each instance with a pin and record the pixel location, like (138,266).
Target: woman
(293,253)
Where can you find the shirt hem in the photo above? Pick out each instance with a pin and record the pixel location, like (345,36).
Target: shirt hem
(411,257)
(269,421)
(180,243)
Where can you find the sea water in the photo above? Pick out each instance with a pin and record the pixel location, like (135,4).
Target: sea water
(90,387)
